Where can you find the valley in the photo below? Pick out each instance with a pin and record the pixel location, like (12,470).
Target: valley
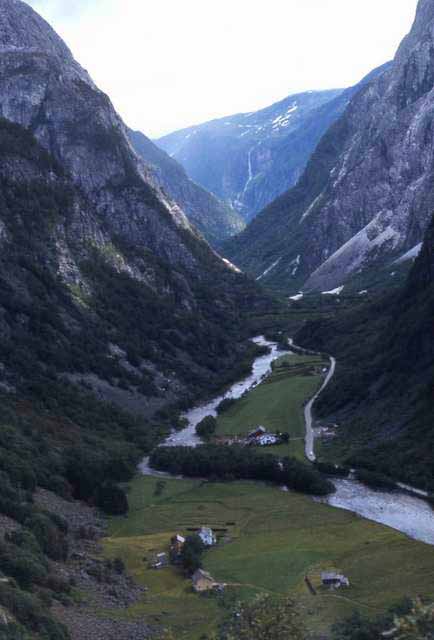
(272,539)
(216,349)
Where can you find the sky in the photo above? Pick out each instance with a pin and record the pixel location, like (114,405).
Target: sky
(169,64)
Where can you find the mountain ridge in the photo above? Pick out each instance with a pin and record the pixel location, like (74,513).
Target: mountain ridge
(213,218)
(364,199)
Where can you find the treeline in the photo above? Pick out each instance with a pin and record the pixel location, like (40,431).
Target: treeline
(238,463)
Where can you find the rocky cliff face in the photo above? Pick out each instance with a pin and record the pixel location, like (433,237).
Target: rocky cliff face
(104,279)
(216,220)
(367,195)
(249,159)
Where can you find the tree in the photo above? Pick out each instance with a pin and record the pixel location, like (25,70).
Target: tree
(112,500)
(265,619)
(206,427)
(417,625)
(191,555)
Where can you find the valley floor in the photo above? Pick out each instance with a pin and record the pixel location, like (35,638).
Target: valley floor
(270,540)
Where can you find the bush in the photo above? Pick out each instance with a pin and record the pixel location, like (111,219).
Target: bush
(375,480)
(49,536)
(332,469)
(207,428)
(112,500)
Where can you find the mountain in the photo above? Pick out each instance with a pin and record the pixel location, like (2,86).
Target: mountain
(238,158)
(367,195)
(115,314)
(107,292)
(214,219)
(118,239)
(382,393)
(250,159)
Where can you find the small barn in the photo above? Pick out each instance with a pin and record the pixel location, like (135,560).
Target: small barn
(159,561)
(257,433)
(207,536)
(334,580)
(203,581)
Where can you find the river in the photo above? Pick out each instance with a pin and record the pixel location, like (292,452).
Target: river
(409,514)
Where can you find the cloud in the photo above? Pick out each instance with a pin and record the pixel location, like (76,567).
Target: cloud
(168,64)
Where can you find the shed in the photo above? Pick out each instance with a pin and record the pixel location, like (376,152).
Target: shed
(159,561)
(334,579)
(203,581)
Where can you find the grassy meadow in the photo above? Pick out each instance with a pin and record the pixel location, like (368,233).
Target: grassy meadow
(269,540)
(277,403)
(272,541)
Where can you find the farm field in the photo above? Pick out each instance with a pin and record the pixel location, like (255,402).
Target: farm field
(272,541)
(277,403)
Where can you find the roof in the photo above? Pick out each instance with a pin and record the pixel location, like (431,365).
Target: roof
(202,575)
(333,576)
(258,429)
(178,538)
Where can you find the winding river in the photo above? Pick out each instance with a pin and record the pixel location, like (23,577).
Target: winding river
(399,510)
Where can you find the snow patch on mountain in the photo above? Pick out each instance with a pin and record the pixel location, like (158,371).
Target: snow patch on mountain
(410,255)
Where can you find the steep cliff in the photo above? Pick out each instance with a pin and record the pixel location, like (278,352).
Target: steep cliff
(146,297)
(216,220)
(366,196)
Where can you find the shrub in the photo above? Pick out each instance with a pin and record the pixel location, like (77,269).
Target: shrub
(112,500)
(375,480)
(206,428)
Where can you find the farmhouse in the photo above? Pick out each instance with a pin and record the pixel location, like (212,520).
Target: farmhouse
(334,580)
(267,440)
(207,536)
(203,581)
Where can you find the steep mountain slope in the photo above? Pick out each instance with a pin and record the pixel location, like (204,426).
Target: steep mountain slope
(250,159)
(383,392)
(217,221)
(238,158)
(138,296)
(366,196)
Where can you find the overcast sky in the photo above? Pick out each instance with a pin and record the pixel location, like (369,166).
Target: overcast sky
(167,64)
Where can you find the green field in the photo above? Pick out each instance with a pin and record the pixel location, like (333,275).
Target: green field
(277,403)
(273,540)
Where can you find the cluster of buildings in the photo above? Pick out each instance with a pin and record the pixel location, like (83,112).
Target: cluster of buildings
(163,559)
(259,437)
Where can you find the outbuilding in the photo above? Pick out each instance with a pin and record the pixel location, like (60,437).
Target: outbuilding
(203,581)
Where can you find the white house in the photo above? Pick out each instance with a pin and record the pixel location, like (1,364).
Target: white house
(207,536)
(267,440)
